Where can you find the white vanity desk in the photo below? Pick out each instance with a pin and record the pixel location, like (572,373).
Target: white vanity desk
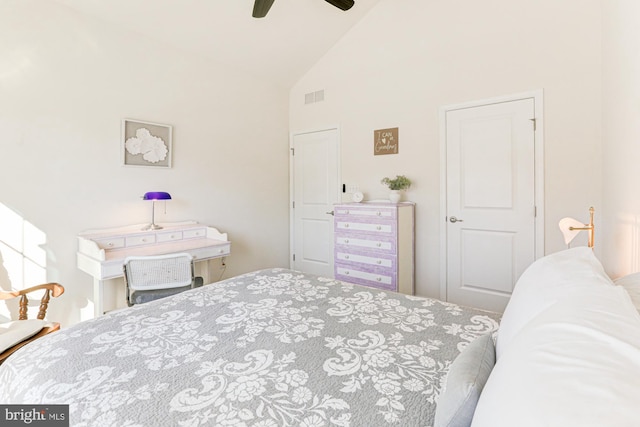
(101,253)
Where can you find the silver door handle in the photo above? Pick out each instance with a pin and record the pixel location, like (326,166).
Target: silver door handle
(329,213)
(454,219)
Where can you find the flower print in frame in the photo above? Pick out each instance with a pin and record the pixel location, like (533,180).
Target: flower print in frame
(146,144)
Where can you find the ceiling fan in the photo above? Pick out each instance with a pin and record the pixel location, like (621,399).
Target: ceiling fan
(261,7)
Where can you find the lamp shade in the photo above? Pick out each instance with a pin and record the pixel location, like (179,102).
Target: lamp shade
(156,195)
(570,228)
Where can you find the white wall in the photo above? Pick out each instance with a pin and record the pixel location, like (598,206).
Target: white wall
(621,136)
(407,59)
(67,81)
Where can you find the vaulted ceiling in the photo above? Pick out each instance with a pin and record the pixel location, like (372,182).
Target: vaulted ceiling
(280,47)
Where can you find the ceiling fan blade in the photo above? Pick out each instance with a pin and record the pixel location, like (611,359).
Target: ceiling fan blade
(342,4)
(261,8)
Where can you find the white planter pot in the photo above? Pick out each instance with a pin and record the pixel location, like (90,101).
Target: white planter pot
(395,196)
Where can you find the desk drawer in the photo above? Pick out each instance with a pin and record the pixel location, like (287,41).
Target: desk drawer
(143,239)
(108,244)
(211,252)
(196,232)
(169,236)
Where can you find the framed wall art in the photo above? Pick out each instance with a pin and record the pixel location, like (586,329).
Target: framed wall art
(146,144)
(385,141)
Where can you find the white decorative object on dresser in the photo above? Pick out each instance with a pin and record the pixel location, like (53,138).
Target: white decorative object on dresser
(374,245)
(101,253)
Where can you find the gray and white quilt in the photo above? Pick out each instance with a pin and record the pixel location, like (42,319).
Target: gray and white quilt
(266,349)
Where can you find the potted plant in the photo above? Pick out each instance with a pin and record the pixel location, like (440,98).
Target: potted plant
(396,185)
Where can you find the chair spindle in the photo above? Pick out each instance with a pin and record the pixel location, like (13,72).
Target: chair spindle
(22,313)
(44,303)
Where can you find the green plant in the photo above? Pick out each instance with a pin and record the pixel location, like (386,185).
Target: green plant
(400,182)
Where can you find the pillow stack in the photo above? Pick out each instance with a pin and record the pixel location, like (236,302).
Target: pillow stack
(568,350)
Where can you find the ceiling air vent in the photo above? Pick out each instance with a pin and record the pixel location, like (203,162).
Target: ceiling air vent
(311,97)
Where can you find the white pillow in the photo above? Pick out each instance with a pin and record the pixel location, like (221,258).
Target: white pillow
(12,333)
(466,377)
(631,283)
(576,364)
(546,281)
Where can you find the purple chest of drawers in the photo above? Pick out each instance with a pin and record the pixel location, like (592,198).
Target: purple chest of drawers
(374,245)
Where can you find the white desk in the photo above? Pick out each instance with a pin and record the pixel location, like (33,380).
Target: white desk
(101,253)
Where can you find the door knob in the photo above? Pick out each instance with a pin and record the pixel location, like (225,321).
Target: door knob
(329,213)
(454,219)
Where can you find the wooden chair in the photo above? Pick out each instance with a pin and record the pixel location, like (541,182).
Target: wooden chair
(51,289)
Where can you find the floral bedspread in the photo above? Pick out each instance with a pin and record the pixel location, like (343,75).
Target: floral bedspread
(266,349)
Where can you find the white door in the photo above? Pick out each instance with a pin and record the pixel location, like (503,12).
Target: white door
(490,201)
(315,190)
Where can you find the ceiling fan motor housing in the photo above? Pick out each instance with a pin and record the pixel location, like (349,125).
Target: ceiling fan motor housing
(342,4)
(261,7)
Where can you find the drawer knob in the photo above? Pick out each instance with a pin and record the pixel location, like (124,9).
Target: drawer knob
(346,272)
(379,279)
(346,226)
(144,240)
(110,244)
(346,240)
(221,251)
(172,236)
(378,244)
(378,228)
(378,213)
(346,257)
(347,212)
(379,262)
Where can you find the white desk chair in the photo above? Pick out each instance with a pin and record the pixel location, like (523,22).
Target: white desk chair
(153,277)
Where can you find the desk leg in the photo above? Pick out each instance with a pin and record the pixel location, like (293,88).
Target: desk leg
(201,268)
(98,297)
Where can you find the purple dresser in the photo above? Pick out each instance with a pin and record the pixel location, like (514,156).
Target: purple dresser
(374,245)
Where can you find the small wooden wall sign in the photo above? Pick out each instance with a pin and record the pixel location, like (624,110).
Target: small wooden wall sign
(385,141)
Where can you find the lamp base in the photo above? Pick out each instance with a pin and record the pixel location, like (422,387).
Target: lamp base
(151,226)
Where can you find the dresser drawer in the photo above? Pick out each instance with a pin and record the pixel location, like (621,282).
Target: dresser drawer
(196,232)
(354,258)
(169,236)
(379,280)
(107,244)
(384,244)
(365,212)
(144,239)
(366,227)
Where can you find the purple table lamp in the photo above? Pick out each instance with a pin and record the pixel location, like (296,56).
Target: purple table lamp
(153,196)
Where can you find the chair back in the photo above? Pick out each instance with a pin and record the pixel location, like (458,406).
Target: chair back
(17,334)
(50,289)
(158,271)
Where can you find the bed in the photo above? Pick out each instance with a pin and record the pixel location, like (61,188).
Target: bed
(270,348)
